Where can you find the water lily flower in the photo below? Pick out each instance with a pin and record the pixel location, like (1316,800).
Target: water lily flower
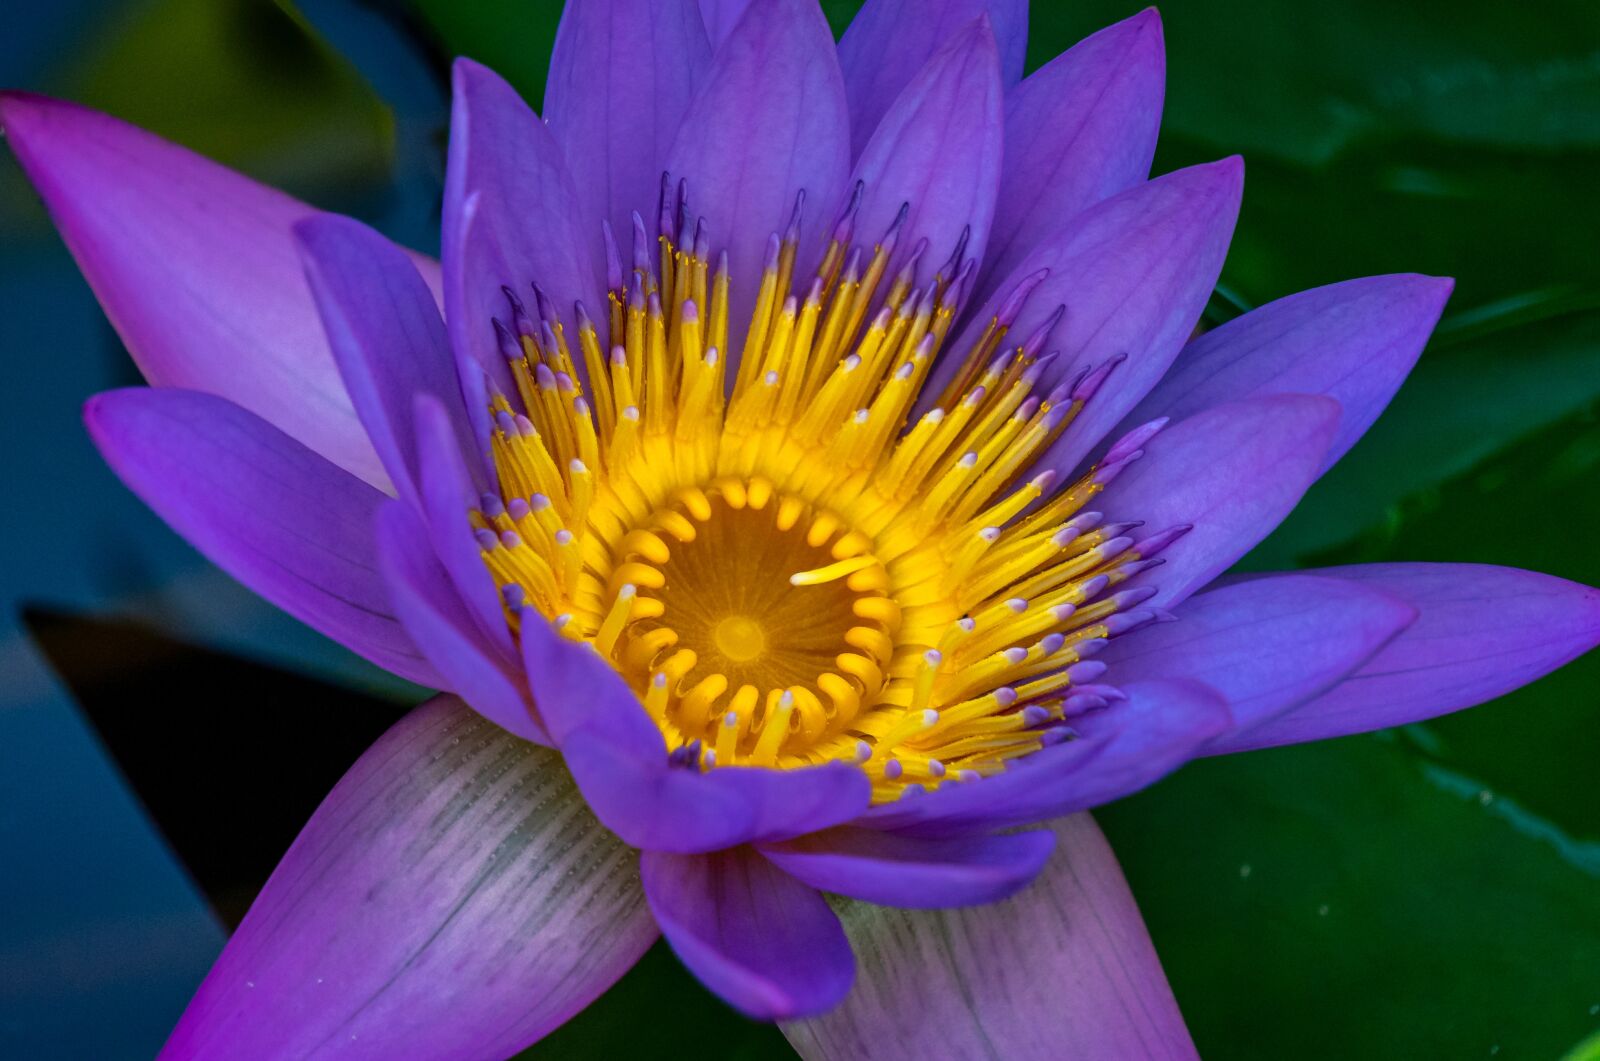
(800,477)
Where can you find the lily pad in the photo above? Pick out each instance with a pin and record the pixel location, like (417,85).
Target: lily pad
(1346,899)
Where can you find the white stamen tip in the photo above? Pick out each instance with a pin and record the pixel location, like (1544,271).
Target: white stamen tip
(929,717)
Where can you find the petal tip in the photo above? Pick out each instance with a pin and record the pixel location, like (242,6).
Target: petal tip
(1146,21)
(18,106)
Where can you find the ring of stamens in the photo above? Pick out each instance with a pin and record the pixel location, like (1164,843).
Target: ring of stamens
(738,598)
(785,573)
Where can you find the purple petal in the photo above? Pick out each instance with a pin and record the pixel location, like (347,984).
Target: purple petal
(938,149)
(766,943)
(1065,969)
(1118,750)
(1134,273)
(1482,632)
(894,870)
(267,510)
(1354,342)
(526,225)
(769,123)
(427,603)
(720,16)
(619,759)
(621,78)
(196,268)
(1079,130)
(1266,644)
(890,41)
(452,898)
(447,494)
(386,333)
(1234,471)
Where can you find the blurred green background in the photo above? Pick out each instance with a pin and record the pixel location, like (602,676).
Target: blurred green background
(1430,892)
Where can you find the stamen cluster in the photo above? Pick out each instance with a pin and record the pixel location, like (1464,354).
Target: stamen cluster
(784,572)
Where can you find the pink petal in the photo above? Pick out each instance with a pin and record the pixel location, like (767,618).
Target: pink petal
(769,123)
(1265,644)
(1063,970)
(621,78)
(1482,631)
(452,898)
(938,150)
(1080,129)
(892,869)
(766,943)
(1234,471)
(1134,273)
(267,510)
(526,226)
(196,267)
(433,614)
(889,41)
(386,333)
(720,17)
(1355,342)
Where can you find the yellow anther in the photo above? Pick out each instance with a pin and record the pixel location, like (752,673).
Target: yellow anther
(838,569)
(621,610)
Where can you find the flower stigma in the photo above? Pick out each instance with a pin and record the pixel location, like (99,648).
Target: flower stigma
(821,561)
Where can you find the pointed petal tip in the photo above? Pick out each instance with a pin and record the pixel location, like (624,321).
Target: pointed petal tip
(15,104)
(979,33)
(463,69)
(99,409)
(1149,18)
(1229,171)
(1439,288)
(22,113)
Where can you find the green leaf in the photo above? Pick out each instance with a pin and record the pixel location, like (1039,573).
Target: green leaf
(1338,73)
(1529,507)
(246,82)
(1470,398)
(1346,899)
(511,37)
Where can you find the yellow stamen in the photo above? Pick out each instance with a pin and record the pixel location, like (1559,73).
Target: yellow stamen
(783,570)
